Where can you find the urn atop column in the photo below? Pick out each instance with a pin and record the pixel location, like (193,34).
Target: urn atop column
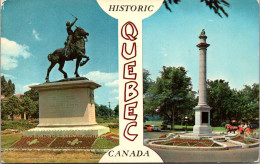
(203,38)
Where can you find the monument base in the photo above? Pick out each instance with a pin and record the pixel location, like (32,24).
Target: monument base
(202,130)
(202,121)
(67,108)
(67,131)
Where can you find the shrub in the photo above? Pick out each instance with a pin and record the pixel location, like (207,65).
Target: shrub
(223,124)
(20,125)
(113,125)
(36,121)
(107,120)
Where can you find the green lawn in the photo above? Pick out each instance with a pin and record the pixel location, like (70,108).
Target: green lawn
(102,143)
(219,129)
(9,139)
(182,127)
(113,130)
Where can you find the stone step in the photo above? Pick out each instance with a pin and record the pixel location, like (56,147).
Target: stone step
(219,138)
(231,145)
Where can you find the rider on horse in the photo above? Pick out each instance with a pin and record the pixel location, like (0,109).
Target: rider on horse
(70,36)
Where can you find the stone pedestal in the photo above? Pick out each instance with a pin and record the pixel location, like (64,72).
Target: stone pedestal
(67,108)
(202,110)
(202,121)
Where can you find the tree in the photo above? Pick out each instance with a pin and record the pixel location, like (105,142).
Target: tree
(4,114)
(222,100)
(216,5)
(228,104)
(116,111)
(28,107)
(36,114)
(12,106)
(147,81)
(170,94)
(3,86)
(32,94)
(103,111)
(7,88)
(249,102)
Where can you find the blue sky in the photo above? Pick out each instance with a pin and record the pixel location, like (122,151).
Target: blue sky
(31,29)
(170,39)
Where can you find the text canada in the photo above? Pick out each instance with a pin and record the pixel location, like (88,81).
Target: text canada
(128,153)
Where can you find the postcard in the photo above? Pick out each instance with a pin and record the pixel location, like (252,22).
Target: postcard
(150,81)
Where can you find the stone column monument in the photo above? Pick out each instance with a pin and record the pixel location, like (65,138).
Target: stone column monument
(202,110)
(67,108)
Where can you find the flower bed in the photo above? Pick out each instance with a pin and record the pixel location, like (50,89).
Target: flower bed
(74,142)
(189,143)
(33,142)
(105,141)
(111,137)
(244,140)
(163,136)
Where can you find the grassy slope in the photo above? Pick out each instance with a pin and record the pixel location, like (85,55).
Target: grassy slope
(102,143)
(49,157)
(9,139)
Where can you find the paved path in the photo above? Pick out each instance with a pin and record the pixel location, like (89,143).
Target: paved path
(232,155)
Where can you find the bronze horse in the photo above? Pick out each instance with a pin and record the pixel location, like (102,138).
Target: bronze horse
(231,128)
(77,51)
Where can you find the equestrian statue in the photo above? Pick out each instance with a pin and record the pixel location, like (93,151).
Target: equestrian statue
(74,49)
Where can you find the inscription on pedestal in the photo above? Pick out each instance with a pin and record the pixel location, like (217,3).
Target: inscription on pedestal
(205,116)
(67,107)
(58,103)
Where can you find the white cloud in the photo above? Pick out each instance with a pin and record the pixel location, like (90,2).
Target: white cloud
(102,77)
(210,20)
(114,91)
(164,52)
(8,63)
(10,52)
(7,76)
(26,87)
(36,34)
(112,84)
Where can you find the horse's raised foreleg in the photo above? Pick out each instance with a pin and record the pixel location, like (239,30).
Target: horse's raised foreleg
(61,69)
(82,55)
(49,70)
(77,66)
